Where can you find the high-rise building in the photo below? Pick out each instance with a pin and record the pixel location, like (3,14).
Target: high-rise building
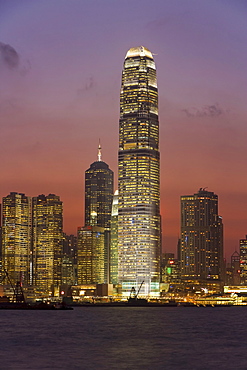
(201,244)
(91,255)
(16,238)
(243,260)
(47,242)
(139,175)
(98,193)
(114,241)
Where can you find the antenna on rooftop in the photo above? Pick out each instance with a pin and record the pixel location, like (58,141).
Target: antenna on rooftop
(99,152)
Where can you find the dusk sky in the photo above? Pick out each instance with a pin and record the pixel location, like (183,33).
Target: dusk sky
(60,76)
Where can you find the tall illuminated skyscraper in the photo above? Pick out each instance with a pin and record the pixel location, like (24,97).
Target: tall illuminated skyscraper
(94,238)
(139,175)
(16,237)
(47,242)
(201,246)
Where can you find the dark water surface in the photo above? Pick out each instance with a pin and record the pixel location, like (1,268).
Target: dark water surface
(125,338)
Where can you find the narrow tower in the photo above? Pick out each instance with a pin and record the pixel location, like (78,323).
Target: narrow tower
(139,175)
(47,236)
(94,237)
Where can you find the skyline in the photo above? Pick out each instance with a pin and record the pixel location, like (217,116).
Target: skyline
(60,93)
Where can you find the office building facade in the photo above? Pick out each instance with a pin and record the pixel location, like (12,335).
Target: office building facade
(201,243)
(16,238)
(47,235)
(243,260)
(91,255)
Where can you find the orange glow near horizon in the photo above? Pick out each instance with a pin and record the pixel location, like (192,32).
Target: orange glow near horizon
(60,88)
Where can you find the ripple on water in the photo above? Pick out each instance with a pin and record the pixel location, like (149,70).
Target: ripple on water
(124,338)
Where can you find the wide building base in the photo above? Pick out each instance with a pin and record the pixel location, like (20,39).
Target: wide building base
(130,288)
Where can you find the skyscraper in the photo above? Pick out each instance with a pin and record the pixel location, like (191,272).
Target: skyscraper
(98,193)
(139,175)
(243,260)
(47,242)
(201,245)
(16,237)
(94,237)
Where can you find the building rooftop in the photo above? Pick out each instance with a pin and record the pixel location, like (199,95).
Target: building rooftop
(139,51)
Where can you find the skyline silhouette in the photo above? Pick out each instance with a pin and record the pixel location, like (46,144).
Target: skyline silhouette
(60,69)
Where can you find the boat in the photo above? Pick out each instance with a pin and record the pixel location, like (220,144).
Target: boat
(7,305)
(19,302)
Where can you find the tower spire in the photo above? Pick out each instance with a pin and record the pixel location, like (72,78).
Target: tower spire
(99,152)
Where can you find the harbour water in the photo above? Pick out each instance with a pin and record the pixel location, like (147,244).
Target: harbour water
(125,338)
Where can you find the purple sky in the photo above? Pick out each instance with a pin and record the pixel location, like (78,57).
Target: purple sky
(59,93)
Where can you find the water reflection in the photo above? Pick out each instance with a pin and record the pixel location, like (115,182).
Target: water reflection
(124,338)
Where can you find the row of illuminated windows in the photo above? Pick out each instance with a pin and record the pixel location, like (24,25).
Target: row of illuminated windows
(141,156)
(138,128)
(132,182)
(145,166)
(140,168)
(138,90)
(138,109)
(126,125)
(138,187)
(138,202)
(133,82)
(124,231)
(139,138)
(143,74)
(135,164)
(139,219)
(128,183)
(134,97)
(139,78)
